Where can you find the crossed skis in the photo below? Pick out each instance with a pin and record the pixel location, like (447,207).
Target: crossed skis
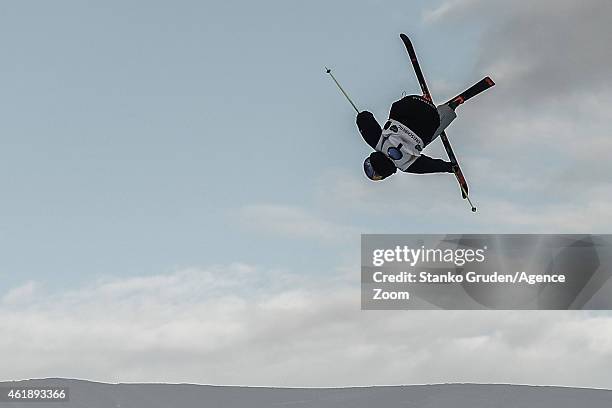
(474,90)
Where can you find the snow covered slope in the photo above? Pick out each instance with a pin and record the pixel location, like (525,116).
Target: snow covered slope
(99,395)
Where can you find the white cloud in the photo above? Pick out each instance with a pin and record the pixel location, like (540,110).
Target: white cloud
(172,327)
(534,46)
(536,147)
(508,201)
(21,294)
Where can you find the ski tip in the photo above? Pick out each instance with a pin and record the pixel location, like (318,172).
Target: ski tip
(489,81)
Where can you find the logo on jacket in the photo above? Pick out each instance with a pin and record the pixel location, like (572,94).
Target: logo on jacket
(394,153)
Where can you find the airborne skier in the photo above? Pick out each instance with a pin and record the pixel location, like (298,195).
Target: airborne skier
(414,122)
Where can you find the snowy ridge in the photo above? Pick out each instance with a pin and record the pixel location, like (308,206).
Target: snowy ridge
(101,395)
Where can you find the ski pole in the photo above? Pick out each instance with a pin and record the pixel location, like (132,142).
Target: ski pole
(468,198)
(463,191)
(328,71)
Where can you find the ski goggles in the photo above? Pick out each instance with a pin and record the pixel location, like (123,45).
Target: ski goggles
(369,170)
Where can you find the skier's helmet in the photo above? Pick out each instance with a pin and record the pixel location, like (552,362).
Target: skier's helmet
(378,166)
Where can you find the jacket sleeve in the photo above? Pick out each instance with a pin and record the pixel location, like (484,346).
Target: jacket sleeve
(425,164)
(369,128)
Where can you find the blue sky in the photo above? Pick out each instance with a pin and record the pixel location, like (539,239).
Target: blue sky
(182,181)
(133,132)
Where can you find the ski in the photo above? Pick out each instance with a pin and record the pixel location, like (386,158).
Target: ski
(447,146)
(472,91)
(416,66)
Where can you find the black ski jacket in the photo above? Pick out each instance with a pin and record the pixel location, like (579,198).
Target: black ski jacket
(418,114)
